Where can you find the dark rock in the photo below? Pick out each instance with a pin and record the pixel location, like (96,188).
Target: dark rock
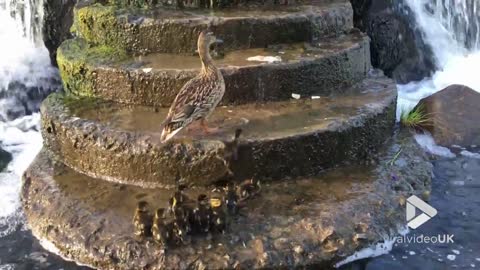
(19,99)
(5,158)
(397,46)
(57,20)
(454,115)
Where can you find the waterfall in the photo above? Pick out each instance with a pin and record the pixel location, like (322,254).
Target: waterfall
(26,77)
(452,29)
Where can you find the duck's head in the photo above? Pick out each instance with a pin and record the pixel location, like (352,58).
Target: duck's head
(142,206)
(207,39)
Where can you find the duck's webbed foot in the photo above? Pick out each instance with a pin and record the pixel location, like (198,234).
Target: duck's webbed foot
(206,129)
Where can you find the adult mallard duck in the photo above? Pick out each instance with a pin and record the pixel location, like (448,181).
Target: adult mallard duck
(199,96)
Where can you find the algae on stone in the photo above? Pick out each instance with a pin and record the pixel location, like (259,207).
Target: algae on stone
(98,24)
(76,59)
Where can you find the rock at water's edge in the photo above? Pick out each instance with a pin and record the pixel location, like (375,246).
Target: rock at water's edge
(5,158)
(453,114)
(396,46)
(57,21)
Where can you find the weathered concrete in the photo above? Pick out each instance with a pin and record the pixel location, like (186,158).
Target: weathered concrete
(313,222)
(140,31)
(290,138)
(155,79)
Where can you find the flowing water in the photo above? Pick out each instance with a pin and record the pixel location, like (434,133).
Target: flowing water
(451,27)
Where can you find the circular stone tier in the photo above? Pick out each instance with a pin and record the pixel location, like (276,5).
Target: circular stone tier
(176,31)
(155,79)
(313,222)
(289,138)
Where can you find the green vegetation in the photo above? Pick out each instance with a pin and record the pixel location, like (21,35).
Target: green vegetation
(76,61)
(98,24)
(416,118)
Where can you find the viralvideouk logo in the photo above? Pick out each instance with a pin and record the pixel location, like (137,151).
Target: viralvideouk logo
(427,212)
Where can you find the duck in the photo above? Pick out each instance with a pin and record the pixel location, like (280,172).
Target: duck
(199,97)
(142,220)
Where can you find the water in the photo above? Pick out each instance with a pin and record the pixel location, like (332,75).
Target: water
(451,27)
(26,77)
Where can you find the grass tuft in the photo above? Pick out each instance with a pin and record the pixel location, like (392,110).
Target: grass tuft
(416,118)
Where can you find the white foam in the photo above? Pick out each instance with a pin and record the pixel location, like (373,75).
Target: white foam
(457,64)
(373,251)
(50,247)
(427,142)
(469,154)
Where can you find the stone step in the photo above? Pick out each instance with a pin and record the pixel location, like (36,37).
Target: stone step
(315,221)
(140,31)
(155,79)
(289,138)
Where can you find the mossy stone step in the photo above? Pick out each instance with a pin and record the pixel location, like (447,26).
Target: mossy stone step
(310,222)
(290,138)
(155,79)
(140,31)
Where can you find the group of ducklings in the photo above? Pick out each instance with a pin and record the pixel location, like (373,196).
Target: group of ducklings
(185,217)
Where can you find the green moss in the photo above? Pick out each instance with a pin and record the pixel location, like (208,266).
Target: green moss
(98,24)
(76,61)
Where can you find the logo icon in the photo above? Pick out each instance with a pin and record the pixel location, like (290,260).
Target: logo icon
(428,212)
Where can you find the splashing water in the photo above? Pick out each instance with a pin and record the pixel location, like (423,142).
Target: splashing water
(26,76)
(452,29)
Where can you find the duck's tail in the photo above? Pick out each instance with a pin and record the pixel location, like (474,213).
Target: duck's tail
(169,130)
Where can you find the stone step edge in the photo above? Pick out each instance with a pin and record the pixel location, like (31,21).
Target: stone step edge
(133,158)
(322,75)
(101,25)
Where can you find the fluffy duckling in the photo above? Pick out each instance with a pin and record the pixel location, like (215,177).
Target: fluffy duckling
(218,218)
(142,220)
(231,199)
(162,230)
(199,96)
(202,214)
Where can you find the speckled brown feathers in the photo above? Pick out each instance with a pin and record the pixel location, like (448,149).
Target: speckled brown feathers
(199,96)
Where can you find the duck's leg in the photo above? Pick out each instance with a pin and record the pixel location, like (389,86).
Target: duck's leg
(205,128)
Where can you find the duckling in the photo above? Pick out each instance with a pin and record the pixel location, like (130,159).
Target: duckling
(231,148)
(182,226)
(202,214)
(218,219)
(199,96)
(142,220)
(162,230)
(249,189)
(177,200)
(231,199)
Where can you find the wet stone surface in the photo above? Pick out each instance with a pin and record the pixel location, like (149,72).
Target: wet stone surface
(291,138)
(176,31)
(155,79)
(294,222)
